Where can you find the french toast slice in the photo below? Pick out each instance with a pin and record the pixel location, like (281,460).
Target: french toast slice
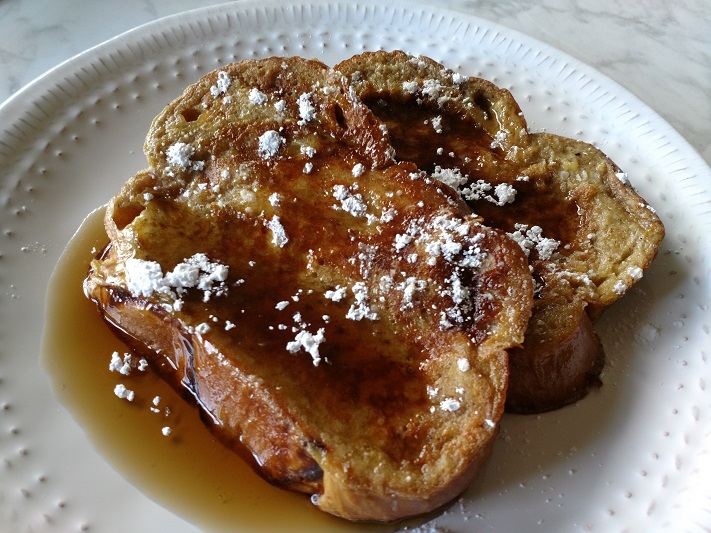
(343,318)
(589,236)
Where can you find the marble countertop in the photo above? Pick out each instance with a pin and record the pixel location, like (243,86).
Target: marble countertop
(658,50)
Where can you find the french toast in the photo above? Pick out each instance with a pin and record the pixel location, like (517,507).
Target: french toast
(342,317)
(588,235)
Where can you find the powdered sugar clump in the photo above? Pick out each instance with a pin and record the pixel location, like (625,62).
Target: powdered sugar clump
(450,176)
(361,308)
(279,236)
(337,294)
(635,273)
(127,364)
(532,238)
(269,144)
(620,287)
(179,155)
(352,203)
(307,110)
(223,83)
(275,199)
(256,96)
(145,278)
(450,404)
(309,343)
(122,392)
(504,193)
(499,140)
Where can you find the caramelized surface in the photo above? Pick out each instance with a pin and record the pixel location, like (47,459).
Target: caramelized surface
(604,234)
(357,345)
(463,143)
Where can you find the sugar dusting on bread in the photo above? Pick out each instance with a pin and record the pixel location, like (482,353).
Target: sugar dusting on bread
(348,295)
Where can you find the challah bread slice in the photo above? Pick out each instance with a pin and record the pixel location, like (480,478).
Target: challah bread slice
(343,318)
(588,234)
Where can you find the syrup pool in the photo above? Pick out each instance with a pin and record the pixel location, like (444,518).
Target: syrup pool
(187,470)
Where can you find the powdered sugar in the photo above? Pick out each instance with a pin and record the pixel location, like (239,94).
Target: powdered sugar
(309,343)
(307,110)
(337,294)
(453,242)
(256,96)
(358,170)
(145,277)
(620,287)
(499,140)
(409,288)
(410,87)
(352,202)
(622,176)
(450,176)
(122,392)
(179,155)
(275,199)
(532,239)
(223,83)
(269,144)
(308,151)
(279,236)
(503,193)
(306,340)
(635,273)
(361,307)
(126,364)
(450,405)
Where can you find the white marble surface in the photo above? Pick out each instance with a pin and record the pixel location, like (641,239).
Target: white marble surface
(657,49)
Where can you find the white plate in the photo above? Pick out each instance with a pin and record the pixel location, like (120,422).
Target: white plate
(634,456)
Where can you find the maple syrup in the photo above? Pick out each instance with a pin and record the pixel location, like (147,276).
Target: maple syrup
(187,471)
(463,144)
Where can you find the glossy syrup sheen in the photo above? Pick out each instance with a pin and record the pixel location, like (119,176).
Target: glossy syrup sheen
(465,145)
(188,471)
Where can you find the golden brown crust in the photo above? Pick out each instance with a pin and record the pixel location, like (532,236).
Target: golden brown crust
(563,368)
(349,321)
(568,195)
